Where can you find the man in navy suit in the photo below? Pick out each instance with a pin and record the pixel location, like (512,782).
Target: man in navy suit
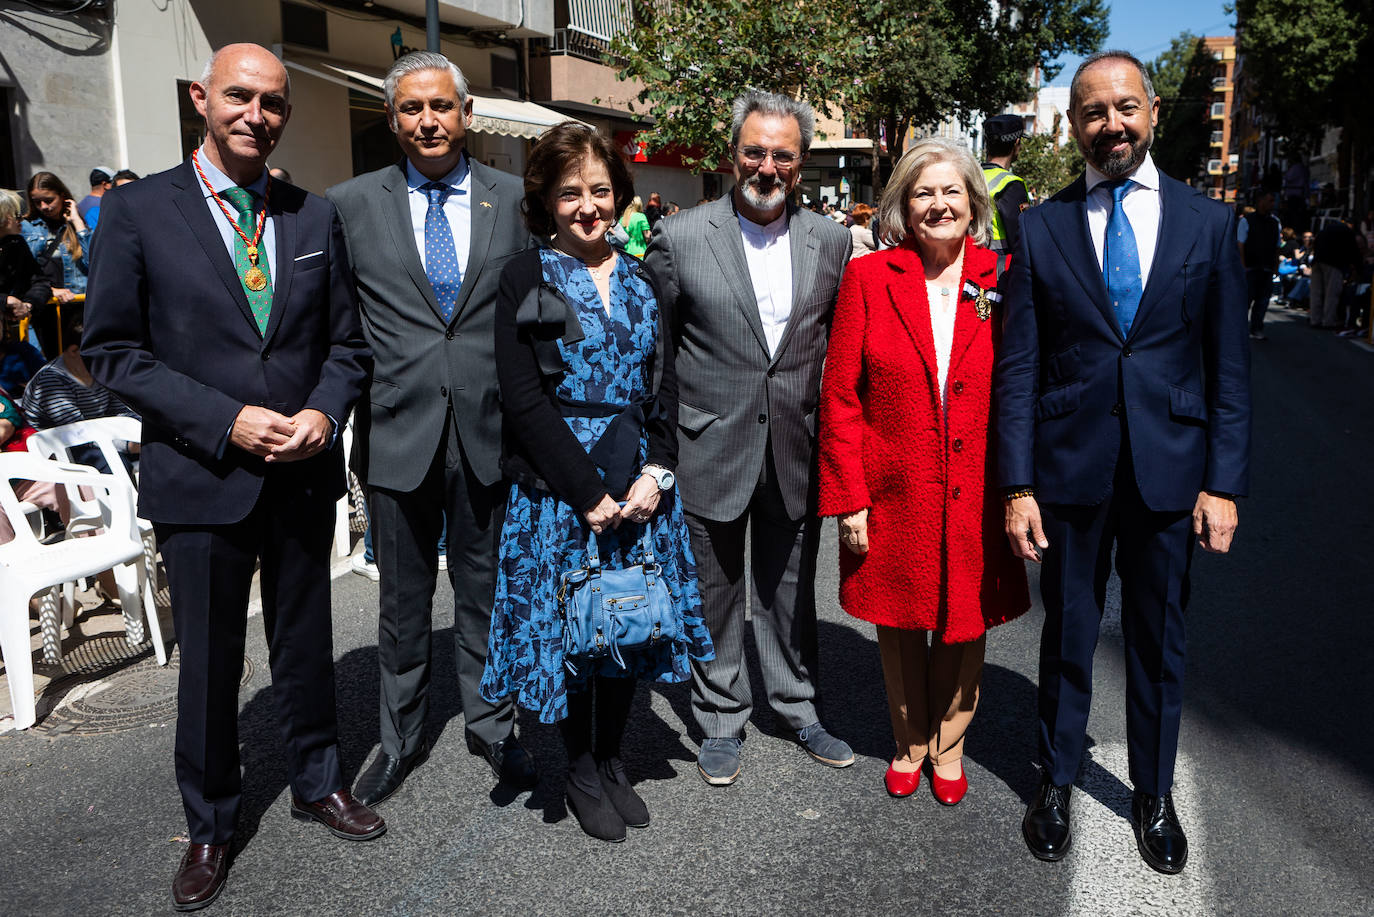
(221,307)
(1123,411)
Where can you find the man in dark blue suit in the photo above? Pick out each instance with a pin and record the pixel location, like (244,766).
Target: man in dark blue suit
(221,307)
(1123,412)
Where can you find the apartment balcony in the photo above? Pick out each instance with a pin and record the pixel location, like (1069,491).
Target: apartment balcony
(1220,84)
(1218,138)
(1214,167)
(1218,110)
(516,18)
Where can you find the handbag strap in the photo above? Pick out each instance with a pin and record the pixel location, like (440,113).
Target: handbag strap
(646,545)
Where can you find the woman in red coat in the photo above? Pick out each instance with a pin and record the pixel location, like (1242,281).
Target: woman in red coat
(904,457)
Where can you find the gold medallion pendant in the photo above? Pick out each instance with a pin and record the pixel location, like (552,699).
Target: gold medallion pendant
(254,279)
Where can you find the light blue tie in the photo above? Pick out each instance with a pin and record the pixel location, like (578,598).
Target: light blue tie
(1121,260)
(441,258)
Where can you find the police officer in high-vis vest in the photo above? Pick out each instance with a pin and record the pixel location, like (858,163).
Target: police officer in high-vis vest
(1008,191)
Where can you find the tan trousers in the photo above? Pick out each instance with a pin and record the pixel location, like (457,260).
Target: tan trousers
(931,692)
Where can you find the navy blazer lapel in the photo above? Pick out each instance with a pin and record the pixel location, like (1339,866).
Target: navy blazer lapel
(484,206)
(1067,220)
(802,247)
(284,227)
(190,200)
(1177,236)
(403,236)
(727,244)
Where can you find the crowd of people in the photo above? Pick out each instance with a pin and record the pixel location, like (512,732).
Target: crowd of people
(610,413)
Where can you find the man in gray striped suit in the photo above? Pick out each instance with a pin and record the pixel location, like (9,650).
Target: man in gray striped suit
(749,282)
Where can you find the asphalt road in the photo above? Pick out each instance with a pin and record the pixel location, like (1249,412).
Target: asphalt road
(1275,784)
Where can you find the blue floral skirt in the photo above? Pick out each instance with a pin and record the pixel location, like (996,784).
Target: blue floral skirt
(542,538)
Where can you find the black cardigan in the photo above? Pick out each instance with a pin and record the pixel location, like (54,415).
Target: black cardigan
(539,449)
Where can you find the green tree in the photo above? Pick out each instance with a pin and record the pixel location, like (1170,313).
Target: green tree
(1046,167)
(1182,78)
(1306,62)
(885,62)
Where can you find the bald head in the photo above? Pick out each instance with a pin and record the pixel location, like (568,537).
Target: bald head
(244,97)
(229,55)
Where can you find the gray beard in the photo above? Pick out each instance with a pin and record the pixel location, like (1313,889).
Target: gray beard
(1121,166)
(754,198)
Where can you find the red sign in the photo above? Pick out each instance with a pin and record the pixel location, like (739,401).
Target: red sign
(637,150)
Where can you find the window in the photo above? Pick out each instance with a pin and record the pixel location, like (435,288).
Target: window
(305,26)
(8,175)
(192,124)
(505,73)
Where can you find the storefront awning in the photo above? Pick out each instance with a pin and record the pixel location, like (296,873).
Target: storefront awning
(490,115)
(843,145)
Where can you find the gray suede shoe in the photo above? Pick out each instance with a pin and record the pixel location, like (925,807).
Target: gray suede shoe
(824,747)
(718,761)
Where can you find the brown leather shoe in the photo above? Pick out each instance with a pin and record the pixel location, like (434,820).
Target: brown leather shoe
(343,815)
(200,877)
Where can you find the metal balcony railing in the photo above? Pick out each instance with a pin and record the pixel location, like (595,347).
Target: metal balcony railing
(1218,109)
(1218,137)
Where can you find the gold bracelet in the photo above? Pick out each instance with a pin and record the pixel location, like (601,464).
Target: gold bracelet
(1017,494)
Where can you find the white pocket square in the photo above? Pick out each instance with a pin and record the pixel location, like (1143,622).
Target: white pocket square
(311,255)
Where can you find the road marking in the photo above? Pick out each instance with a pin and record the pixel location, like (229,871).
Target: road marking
(1109,877)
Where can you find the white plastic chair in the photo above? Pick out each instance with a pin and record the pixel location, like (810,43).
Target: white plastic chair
(103,432)
(27,566)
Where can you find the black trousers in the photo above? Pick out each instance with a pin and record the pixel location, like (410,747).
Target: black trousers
(1154,553)
(209,570)
(405,529)
(1259,284)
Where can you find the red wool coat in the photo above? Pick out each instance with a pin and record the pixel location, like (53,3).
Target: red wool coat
(938,559)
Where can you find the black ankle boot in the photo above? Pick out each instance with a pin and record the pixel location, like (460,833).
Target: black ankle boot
(595,813)
(615,785)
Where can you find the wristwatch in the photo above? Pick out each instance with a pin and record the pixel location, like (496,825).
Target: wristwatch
(664,478)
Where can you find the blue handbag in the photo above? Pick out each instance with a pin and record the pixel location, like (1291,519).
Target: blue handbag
(606,612)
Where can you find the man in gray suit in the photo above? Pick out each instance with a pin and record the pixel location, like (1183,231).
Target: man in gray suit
(750,280)
(428,237)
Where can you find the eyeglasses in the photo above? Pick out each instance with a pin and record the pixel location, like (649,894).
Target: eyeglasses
(755,155)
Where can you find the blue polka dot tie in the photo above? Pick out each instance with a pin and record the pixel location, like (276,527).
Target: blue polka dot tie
(441,259)
(1121,260)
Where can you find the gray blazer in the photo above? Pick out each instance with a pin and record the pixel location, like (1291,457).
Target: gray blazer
(423,366)
(732,396)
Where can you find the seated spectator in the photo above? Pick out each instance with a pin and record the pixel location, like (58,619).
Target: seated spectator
(59,239)
(26,291)
(14,430)
(63,392)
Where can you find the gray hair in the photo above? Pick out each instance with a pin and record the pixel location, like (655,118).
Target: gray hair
(11,204)
(414,62)
(1075,87)
(891,212)
(209,69)
(776,105)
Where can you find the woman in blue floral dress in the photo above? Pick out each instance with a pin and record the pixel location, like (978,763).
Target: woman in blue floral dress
(589,402)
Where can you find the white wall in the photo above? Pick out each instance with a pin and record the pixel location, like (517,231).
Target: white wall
(678,185)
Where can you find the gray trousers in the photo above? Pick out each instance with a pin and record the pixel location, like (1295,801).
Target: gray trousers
(405,529)
(783,605)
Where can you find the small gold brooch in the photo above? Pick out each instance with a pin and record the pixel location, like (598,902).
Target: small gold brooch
(485,203)
(983,305)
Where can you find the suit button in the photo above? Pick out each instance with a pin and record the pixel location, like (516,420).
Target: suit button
(958,444)
(772,371)
(763,418)
(958,387)
(266,355)
(443,391)
(1117,409)
(1126,352)
(449,334)
(955,493)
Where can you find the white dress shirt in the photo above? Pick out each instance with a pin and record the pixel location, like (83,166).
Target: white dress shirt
(457,207)
(1142,206)
(769,253)
(221,183)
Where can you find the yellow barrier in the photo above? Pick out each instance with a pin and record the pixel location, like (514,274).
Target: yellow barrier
(24,322)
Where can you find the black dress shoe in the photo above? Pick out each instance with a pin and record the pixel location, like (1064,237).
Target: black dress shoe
(200,877)
(1158,835)
(615,784)
(509,761)
(385,775)
(1046,825)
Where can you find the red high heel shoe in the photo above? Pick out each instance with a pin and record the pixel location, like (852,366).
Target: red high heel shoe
(948,792)
(900,783)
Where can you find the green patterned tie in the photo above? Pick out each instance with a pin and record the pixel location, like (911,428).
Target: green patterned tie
(260,300)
